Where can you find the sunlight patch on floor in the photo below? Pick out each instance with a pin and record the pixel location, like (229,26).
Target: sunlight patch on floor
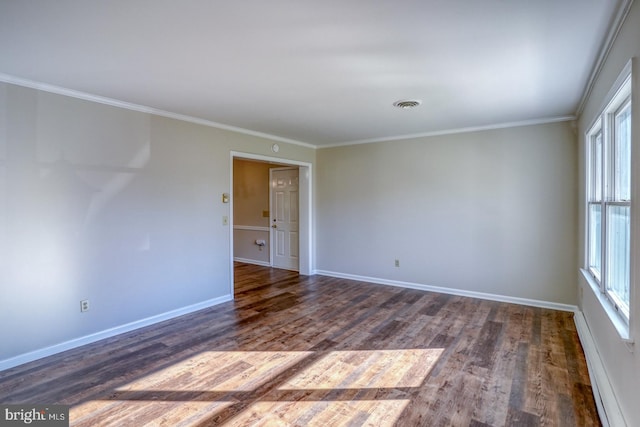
(140,413)
(367,369)
(270,388)
(321,413)
(219,371)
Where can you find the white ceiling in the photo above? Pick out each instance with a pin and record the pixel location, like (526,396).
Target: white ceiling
(321,73)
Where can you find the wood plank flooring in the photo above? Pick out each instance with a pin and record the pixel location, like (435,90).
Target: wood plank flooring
(299,351)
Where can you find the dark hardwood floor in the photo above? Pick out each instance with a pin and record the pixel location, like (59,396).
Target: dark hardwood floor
(296,350)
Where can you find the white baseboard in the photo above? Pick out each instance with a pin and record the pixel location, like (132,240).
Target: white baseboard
(606,401)
(452,291)
(252,261)
(108,333)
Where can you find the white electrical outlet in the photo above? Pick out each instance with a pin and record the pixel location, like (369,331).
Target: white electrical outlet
(84,305)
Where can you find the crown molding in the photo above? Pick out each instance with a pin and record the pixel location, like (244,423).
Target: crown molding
(605,49)
(455,131)
(58,90)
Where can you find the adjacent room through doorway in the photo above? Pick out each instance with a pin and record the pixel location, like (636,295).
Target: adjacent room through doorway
(270,225)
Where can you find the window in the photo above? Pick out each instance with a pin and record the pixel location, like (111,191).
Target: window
(609,200)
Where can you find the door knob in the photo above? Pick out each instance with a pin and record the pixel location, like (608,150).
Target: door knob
(274,226)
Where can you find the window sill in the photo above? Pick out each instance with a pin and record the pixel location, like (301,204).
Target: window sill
(618,322)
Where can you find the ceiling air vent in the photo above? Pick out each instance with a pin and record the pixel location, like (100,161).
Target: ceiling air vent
(407,103)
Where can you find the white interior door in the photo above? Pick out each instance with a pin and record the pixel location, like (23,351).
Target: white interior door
(284,218)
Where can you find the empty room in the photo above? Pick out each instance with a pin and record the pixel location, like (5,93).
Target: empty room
(410,213)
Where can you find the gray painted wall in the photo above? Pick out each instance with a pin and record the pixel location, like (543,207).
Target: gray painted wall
(491,212)
(119,207)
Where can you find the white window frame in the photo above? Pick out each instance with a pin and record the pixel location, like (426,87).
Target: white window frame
(619,97)
(594,198)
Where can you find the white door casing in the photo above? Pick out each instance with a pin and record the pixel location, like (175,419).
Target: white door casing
(285,222)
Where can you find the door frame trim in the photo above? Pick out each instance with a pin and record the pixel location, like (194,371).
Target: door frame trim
(305,209)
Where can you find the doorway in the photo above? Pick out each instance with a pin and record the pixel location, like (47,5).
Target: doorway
(304,250)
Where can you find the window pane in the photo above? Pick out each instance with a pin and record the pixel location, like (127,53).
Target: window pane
(618,254)
(622,141)
(596,176)
(595,239)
